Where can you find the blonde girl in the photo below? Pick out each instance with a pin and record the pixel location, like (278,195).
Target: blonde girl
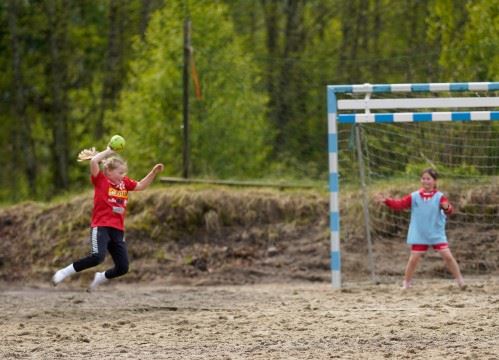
(111,186)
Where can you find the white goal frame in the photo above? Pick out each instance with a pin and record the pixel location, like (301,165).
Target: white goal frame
(334,106)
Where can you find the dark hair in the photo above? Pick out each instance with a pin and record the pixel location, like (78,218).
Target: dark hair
(430,171)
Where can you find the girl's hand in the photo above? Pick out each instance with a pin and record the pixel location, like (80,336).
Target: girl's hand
(445,205)
(158,168)
(149,178)
(379,198)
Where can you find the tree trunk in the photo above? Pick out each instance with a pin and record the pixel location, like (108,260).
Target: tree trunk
(57,14)
(24,141)
(348,42)
(375,37)
(145,13)
(354,41)
(270,12)
(114,69)
(287,91)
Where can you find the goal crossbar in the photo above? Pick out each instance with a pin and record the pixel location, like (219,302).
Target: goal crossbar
(421,103)
(367,104)
(418,117)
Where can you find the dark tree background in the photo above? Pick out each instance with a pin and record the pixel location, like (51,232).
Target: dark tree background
(72,70)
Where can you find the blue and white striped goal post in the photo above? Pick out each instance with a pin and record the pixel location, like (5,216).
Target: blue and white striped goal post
(367,104)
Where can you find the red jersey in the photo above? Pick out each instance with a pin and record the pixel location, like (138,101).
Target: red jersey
(110,201)
(406,201)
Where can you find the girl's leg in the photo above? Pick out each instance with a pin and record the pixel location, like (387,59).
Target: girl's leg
(411,267)
(63,273)
(453,266)
(99,238)
(118,249)
(119,253)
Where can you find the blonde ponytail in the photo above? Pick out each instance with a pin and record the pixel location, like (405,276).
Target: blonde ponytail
(87,154)
(110,163)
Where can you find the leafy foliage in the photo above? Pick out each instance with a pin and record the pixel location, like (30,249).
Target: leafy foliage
(230,116)
(75,73)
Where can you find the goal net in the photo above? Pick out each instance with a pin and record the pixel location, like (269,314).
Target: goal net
(380,139)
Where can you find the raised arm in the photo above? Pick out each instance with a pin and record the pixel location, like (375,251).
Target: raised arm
(96,159)
(149,178)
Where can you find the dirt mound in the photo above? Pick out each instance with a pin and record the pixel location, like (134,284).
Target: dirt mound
(223,236)
(188,236)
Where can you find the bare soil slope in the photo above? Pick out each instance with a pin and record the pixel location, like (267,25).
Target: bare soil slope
(223,236)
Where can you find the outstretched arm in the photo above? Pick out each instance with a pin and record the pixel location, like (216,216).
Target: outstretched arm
(149,178)
(394,204)
(96,159)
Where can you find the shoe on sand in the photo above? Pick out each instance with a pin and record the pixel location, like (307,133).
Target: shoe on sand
(406,284)
(58,277)
(62,274)
(99,278)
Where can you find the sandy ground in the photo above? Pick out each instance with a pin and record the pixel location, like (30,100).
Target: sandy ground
(434,320)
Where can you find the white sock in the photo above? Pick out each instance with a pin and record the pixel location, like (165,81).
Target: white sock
(62,274)
(99,278)
(69,270)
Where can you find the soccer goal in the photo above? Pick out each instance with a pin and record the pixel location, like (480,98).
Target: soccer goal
(380,137)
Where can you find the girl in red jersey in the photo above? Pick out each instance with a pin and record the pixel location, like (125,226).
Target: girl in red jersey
(111,187)
(429,210)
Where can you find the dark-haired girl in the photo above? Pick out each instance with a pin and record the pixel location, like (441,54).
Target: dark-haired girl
(429,210)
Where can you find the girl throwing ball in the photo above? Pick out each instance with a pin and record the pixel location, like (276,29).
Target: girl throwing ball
(111,187)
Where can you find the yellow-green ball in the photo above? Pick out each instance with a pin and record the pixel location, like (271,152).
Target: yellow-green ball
(117,143)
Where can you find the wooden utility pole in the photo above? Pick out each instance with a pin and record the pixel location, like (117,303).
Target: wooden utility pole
(187,61)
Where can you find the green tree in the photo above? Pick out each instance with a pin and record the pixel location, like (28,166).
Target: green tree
(75,72)
(482,40)
(228,128)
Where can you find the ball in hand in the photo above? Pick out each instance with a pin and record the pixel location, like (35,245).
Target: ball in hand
(117,143)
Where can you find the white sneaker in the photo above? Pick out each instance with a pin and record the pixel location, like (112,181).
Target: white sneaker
(58,277)
(99,278)
(62,274)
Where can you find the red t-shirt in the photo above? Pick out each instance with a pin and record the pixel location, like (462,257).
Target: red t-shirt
(110,201)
